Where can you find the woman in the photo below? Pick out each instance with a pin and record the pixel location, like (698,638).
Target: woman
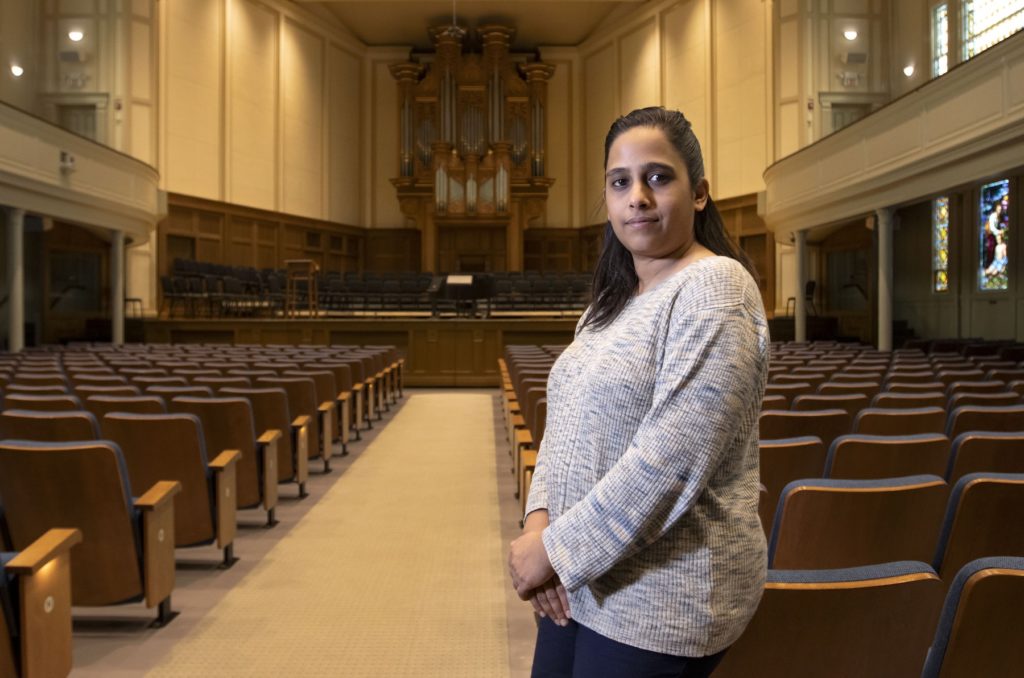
(642,549)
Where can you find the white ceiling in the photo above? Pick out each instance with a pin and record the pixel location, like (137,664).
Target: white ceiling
(537,22)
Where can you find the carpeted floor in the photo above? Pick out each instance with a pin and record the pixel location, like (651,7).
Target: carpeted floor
(397,570)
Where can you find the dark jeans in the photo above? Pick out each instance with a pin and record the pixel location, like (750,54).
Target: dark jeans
(577,652)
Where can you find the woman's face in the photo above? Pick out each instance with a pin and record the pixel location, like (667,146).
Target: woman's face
(650,202)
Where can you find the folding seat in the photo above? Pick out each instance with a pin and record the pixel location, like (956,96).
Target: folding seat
(900,421)
(228,424)
(132,372)
(27,389)
(786,459)
(814,379)
(302,400)
(852,403)
(986,451)
(868,388)
(40,379)
(35,606)
(857,456)
(975,386)
(343,396)
(84,486)
(270,410)
(53,427)
(101,405)
(985,418)
(875,620)
(904,387)
(854,377)
(1004,374)
(774,402)
(84,391)
(171,447)
(827,425)
(191,373)
(999,398)
(326,394)
(949,376)
(982,519)
(821,523)
(978,633)
(890,400)
(788,391)
(169,392)
(42,403)
(903,377)
(97,379)
(220,382)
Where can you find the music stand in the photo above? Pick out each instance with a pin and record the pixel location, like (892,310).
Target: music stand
(301,270)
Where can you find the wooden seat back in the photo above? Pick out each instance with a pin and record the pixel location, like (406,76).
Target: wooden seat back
(985,418)
(101,405)
(270,411)
(52,427)
(859,456)
(991,451)
(881,421)
(41,403)
(891,400)
(301,392)
(786,459)
(982,520)
(827,425)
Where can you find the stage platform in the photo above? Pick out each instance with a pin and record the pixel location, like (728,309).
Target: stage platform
(439,351)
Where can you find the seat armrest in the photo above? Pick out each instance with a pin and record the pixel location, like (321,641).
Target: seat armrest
(269,437)
(300,447)
(225,459)
(300,421)
(159,495)
(266,449)
(52,544)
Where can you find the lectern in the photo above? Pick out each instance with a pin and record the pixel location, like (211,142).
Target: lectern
(301,270)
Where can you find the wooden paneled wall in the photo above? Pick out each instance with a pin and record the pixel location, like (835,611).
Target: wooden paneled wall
(744,227)
(392,250)
(471,248)
(551,249)
(242,236)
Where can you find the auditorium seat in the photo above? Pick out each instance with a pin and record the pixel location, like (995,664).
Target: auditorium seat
(975,386)
(890,400)
(169,392)
(997,398)
(343,397)
(41,403)
(35,607)
(825,424)
(85,486)
(985,418)
(982,519)
(821,523)
(774,402)
(220,382)
(899,421)
(326,393)
(171,447)
(852,403)
(271,412)
(867,388)
(227,424)
(978,633)
(921,387)
(875,621)
(302,401)
(51,427)
(996,452)
(859,456)
(100,405)
(783,460)
(83,391)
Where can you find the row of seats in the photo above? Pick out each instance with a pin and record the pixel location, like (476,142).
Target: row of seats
(181,439)
(824,524)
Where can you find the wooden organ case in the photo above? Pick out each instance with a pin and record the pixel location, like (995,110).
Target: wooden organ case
(472,141)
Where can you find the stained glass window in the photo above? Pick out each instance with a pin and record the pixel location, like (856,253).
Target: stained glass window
(940,244)
(994,236)
(940,40)
(986,22)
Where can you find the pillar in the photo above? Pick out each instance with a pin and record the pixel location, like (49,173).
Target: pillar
(117,288)
(800,313)
(15,279)
(883,227)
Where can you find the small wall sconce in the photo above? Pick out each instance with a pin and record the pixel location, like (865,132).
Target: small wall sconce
(908,70)
(850,34)
(17,70)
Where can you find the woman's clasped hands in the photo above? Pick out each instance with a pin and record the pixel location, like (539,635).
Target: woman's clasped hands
(532,575)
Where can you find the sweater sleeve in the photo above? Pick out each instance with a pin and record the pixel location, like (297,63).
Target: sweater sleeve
(710,373)
(538,496)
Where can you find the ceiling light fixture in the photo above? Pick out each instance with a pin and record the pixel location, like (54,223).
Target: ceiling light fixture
(76,35)
(17,70)
(850,34)
(908,70)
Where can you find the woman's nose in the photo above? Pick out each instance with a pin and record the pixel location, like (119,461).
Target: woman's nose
(638,196)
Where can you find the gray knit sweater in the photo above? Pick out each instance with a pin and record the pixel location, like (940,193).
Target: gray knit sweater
(649,464)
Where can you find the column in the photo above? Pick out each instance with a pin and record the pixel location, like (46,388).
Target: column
(883,228)
(15,279)
(800,313)
(117,288)
(537,75)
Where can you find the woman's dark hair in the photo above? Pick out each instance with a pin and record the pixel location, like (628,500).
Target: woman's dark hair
(615,280)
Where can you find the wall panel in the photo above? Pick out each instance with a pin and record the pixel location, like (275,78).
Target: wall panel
(303,97)
(559,157)
(599,93)
(344,137)
(640,68)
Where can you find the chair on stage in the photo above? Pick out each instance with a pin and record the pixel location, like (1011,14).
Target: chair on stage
(85,486)
(822,523)
(35,606)
(171,447)
(875,620)
(978,633)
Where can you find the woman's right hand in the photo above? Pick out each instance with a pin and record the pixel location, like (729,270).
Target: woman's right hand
(549,599)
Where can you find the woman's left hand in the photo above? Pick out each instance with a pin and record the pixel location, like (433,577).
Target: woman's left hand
(528,564)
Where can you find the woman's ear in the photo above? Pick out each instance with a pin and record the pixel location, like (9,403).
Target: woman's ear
(700,194)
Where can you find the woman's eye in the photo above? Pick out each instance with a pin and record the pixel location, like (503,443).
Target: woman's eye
(658,178)
(618,183)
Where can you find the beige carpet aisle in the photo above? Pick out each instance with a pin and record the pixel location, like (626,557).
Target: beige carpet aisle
(397,571)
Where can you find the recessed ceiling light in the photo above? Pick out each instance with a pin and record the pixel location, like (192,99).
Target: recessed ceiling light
(76,36)
(908,70)
(850,34)
(16,71)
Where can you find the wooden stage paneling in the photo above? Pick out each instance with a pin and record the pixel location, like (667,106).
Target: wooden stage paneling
(439,352)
